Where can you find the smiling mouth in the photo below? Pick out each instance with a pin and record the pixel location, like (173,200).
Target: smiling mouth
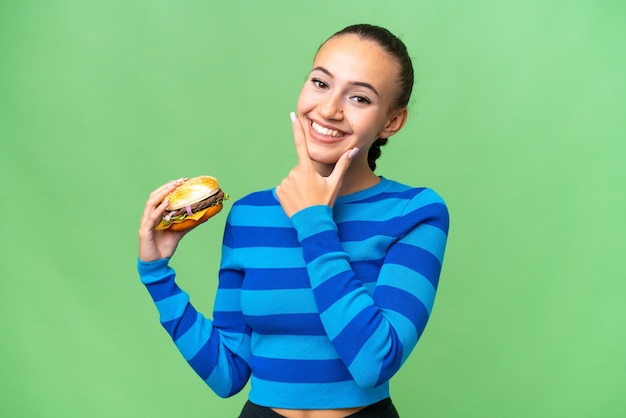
(332,133)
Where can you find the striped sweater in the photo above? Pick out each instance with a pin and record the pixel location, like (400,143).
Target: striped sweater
(319,310)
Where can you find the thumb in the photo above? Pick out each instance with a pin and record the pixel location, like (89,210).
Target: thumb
(342,166)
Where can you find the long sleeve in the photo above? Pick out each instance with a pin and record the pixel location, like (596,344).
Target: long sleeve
(217,350)
(318,310)
(375,332)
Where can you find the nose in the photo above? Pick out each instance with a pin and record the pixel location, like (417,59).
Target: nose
(331,107)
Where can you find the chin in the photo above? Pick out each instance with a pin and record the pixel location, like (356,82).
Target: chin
(324,155)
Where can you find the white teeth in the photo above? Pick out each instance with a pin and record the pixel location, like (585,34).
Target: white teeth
(325,131)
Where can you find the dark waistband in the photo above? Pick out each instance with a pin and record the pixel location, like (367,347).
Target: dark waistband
(380,409)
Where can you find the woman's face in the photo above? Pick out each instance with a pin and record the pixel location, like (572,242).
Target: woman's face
(347,99)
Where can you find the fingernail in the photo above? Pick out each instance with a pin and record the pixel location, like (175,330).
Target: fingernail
(353,152)
(292,115)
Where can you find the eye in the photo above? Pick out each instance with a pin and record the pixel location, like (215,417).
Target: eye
(319,83)
(361,99)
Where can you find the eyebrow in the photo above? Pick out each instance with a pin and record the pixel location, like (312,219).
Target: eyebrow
(355,83)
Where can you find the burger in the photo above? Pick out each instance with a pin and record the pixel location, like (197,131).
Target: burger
(192,203)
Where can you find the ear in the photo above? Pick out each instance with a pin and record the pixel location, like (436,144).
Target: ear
(395,122)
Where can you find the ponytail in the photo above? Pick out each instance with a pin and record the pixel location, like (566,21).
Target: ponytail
(375,152)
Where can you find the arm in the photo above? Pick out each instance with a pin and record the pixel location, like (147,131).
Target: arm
(217,350)
(374,335)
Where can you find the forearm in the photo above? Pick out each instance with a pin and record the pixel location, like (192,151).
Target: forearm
(201,343)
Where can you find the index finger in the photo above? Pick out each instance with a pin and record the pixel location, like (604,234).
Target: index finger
(300,141)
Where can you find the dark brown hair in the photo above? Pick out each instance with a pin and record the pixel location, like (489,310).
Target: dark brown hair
(397,49)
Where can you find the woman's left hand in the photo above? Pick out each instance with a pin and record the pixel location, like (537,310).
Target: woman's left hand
(304,186)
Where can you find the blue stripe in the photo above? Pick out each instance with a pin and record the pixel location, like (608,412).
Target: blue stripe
(339,315)
(350,341)
(163,289)
(268,216)
(249,236)
(228,239)
(425,198)
(374,247)
(321,244)
(285,301)
(293,324)
(197,335)
(407,335)
(404,303)
(309,347)
(170,308)
(367,271)
(154,271)
(362,212)
(428,237)
(178,326)
(313,220)
(229,279)
(260,198)
(299,371)
(206,358)
(416,259)
(313,395)
(435,214)
(334,289)
(266,257)
(229,321)
(406,194)
(401,277)
(326,266)
(363,230)
(230,373)
(229,300)
(393,358)
(276,278)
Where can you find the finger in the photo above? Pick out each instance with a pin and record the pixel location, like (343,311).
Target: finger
(154,217)
(160,193)
(300,141)
(157,197)
(342,166)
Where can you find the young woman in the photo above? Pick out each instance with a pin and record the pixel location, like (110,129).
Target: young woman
(327,281)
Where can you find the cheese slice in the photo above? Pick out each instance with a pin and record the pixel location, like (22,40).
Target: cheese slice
(196,216)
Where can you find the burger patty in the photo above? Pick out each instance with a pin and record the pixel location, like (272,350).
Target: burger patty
(198,206)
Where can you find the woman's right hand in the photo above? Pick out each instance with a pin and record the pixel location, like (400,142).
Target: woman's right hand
(154,245)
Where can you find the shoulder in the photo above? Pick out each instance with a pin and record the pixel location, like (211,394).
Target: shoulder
(422,204)
(259,198)
(402,197)
(408,191)
(393,204)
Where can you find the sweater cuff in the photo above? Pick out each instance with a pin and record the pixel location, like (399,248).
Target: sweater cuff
(153,271)
(313,220)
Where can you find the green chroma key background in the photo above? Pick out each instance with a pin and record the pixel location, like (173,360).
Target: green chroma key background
(517,120)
